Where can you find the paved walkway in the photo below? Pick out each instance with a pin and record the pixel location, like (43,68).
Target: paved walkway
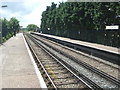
(17,70)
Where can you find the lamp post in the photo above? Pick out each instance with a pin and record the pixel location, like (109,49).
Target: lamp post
(3,6)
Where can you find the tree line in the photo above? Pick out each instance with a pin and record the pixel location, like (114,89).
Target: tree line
(32,27)
(8,28)
(84,21)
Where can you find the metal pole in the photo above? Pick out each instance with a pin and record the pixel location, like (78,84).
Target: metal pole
(3,6)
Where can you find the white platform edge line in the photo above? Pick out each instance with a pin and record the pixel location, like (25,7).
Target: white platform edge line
(41,80)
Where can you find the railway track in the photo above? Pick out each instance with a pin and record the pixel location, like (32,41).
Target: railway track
(115,82)
(110,56)
(55,73)
(98,63)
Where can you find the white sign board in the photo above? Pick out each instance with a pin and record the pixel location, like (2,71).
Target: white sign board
(112,27)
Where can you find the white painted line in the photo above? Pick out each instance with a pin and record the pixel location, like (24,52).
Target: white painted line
(41,80)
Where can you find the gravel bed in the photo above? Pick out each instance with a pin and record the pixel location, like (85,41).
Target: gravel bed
(53,65)
(71,86)
(44,57)
(56,68)
(95,62)
(63,75)
(59,71)
(49,62)
(65,81)
(93,76)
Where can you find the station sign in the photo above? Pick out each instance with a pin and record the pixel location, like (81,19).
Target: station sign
(112,27)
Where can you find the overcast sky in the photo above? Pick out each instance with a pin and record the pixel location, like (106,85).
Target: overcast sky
(26,11)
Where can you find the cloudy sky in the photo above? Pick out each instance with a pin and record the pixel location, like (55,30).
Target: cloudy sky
(26,11)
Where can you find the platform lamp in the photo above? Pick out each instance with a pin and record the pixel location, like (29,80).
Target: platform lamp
(3,6)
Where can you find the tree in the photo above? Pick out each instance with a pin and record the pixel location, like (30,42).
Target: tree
(4,27)
(83,20)
(32,27)
(14,24)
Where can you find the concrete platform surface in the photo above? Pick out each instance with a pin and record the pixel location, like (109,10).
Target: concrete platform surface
(17,70)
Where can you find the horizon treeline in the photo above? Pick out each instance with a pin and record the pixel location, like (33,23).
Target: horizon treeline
(84,21)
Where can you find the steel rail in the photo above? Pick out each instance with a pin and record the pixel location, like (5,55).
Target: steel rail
(74,50)
(101,73)
(39,62)
(106,76)
(62,65)
(84,78)
(103,54)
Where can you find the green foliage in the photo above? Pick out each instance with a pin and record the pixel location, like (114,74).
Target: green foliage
(32,27)
(14,24)
(8,27)
(83,20)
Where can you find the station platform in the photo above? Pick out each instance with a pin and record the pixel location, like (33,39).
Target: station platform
(88,44)
(17,68)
